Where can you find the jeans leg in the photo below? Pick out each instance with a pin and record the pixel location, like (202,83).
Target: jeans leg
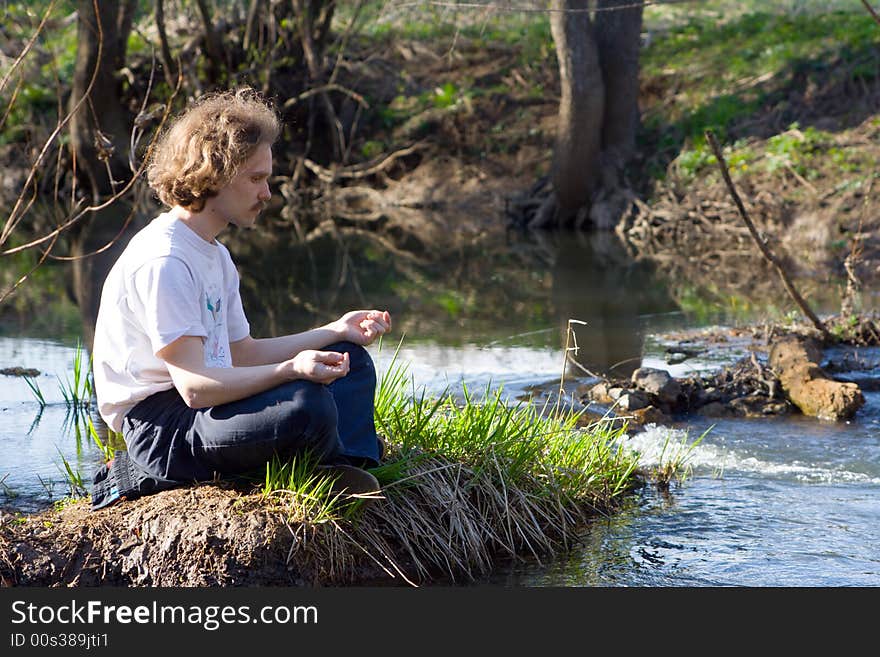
(170,440)
(157,435)
(354,395)
(293,418)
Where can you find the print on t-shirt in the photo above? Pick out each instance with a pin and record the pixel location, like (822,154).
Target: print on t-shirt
(215,345)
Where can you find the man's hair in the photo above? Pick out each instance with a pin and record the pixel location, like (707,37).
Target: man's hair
(206,145)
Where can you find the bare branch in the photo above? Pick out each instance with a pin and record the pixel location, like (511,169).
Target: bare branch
(871,11)
(14,218)
(24,277)
(362,170)
(107,203)
(167,59)
(290,102)
(28,46)
(762,245)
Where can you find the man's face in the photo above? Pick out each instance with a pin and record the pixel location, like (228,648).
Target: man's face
(248,192)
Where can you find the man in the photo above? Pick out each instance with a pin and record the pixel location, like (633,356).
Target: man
(176,370)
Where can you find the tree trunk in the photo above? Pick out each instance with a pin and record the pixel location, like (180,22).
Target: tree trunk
(170,68)
(213,47)
(114,226)
(579,128)
(100,124)
(314,18)
(618,33)
(252,26)
(598,112)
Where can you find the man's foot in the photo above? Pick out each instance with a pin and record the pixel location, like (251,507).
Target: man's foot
(349,480)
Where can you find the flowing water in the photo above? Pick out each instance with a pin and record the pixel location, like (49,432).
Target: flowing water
(769,502)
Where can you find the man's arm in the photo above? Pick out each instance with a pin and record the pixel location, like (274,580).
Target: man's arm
(359,326)
(202,386)
(267,351)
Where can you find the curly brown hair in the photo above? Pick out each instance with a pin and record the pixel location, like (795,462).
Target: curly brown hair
(206,145)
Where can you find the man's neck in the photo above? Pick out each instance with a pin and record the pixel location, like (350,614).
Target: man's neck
(207,224)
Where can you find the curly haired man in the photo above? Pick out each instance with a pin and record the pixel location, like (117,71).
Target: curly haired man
(176,369)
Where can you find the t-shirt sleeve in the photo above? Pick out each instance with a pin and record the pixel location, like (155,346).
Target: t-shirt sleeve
(166,301)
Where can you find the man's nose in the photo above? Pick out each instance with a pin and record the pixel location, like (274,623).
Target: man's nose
(265,193)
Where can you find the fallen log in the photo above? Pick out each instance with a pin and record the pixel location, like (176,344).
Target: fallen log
(795,361)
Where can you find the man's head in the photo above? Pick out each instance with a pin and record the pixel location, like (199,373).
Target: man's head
(203,150)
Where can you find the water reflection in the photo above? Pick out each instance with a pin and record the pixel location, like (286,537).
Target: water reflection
(597,282)
(476,288)
(493,289)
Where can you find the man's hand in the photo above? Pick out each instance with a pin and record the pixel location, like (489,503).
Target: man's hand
(318,366)
(362,326)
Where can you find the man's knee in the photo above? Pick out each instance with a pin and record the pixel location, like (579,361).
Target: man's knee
(358,355)
(359,358)
(314,419)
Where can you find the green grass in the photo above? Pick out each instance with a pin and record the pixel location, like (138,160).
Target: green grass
(716,75)
(305,494)
(674,461)
(34,386)
(107,447)
(78,393)
(715,55)
(506,443)
(75,482)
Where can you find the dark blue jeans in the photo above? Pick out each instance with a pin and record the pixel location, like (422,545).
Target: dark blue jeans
(334,423)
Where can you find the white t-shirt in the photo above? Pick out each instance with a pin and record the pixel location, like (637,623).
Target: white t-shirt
(169,282)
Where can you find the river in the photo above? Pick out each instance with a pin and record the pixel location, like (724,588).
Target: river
(769,502)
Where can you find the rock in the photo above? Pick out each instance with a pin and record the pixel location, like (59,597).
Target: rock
(658,383)
(20,371)
(649,415)
(807,386)
(615,393)
(757,406)
(597,393)
(611,422)
(675,357)
(714,409)
(632,401)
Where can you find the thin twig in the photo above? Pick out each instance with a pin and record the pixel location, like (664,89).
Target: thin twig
(871,11)
(314,91)
(362,170)
(762,245)
(28,45)
(13,219)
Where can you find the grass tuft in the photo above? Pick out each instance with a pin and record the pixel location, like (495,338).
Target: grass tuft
(78,393)
(75,482)
(35,389)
